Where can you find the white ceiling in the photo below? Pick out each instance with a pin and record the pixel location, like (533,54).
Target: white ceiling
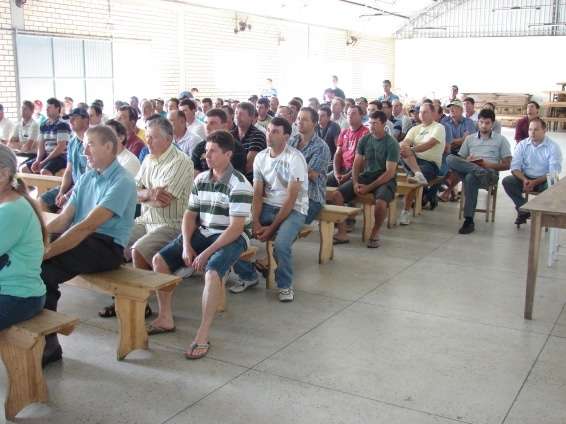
(332,13)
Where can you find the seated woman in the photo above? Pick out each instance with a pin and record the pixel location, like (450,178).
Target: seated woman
(22,292)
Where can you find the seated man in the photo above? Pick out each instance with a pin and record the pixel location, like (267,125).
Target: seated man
(317,155)
(95,224)
(25,135)
(163,182)
(478,163)
(52,144)
(421,152)
(185,139)
(128,117)
(374,171)
(327,129)
(534,158)
(216,231)
(280,204)
(55,199)
(346,147)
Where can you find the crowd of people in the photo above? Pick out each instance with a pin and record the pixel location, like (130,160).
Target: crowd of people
(185,185)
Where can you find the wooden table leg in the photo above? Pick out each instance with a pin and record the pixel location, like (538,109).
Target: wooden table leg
(131,317)
(271,265)
(26,384)
(326,249)
(369,219)
(534,248)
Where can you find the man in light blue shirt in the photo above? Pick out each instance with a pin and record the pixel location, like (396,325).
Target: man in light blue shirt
(387,94)
(535,157)
(94,226)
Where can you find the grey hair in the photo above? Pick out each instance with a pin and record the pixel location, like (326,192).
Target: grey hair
(8,160)
(163,124)
(105,135)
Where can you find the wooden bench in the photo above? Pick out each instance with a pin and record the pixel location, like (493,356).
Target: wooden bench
(42,183)
(131,288)
(21,348)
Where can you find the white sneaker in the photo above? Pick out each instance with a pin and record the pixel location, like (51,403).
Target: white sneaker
(404,218)
(421,178)
(286,295)
(185,272)
(241,285)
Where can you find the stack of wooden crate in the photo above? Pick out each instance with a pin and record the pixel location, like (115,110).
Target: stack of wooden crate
(509,107)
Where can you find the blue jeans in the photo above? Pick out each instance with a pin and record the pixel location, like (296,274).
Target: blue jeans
(314,209)
(15,309)
(284,238)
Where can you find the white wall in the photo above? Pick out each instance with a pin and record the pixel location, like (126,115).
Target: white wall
(504,65)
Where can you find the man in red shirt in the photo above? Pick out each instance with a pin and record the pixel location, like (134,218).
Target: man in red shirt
(522,127)
(128,117)
(346,147)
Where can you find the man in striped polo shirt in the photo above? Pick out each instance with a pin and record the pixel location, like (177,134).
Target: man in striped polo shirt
(216,231)
(163,185)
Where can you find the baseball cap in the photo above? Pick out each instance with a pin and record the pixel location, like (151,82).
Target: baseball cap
(78,111)
(456,102)
(184,94)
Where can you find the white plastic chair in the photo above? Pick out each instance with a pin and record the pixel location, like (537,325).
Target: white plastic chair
(553,233)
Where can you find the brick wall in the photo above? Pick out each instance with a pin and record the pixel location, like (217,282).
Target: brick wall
(7,62)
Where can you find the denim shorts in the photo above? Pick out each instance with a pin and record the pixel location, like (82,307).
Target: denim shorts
(14,309)
(220,261)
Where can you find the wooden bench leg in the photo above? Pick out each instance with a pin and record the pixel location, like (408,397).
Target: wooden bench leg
(418,210)
(271,265)
(326,249)
(131,317)
(26,384)
(369,217)
(392,213)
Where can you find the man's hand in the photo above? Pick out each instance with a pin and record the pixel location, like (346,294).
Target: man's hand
(36,166)
(47,253)
(161,195)
(264,233)
(199,263)
(188,255)
(404,149)
(60,200)
(476,160)
(361,188)
(528,185)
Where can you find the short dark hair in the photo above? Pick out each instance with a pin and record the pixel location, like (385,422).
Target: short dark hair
(54,102)
(219,113)
(427,101)
(427,104)
(68,99)
(379,115)
(28,104)
(174,100)
(486,114)
(362,99)
(542,123)
(228,109)
(489,103)
(188,102)
(221,100)
(439,109)
(349,99)
(455,86)
(312,112)
(299,99)
(325,109)
(469,99)
(179,114)
(295,103)
(99,103)
(223,139)
(207,100)
(96,108)
(253,98)
(386,103)
(531,102)
(132,114)
(119,129)
(282,122)
(263,101)
(358,108)
(386,81)
(248,107)
(376,103)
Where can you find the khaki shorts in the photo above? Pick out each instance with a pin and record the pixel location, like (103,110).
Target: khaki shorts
(149,243)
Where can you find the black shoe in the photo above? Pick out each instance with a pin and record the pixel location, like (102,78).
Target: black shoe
(467,228)
(522,218)
(51,354)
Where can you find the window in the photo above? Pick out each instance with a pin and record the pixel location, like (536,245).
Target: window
(61,67)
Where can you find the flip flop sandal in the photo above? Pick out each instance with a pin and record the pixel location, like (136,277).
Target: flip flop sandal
(154,329)
(336,241)
(373,243)
(193,347)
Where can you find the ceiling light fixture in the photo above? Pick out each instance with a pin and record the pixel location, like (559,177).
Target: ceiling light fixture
(516,8)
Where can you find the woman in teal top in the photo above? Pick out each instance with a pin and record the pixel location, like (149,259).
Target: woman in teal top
(22,240)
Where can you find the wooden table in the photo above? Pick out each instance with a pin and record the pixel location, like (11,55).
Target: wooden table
(548,209)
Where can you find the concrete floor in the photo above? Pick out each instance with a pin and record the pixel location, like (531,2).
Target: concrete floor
(426,329)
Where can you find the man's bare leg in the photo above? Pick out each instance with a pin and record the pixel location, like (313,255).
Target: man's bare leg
(380,212)
(211,297)
(164,297)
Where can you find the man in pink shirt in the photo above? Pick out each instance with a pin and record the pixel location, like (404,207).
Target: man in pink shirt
(346,147)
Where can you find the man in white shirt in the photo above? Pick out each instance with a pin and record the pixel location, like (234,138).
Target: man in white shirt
(26,133)
(189,108)
(127,159)
(337,106)
(280,202)
(399,117)
(182,136)
(6,126)
(469,109)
